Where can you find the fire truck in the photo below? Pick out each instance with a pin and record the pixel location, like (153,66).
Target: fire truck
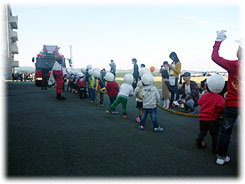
(46,57)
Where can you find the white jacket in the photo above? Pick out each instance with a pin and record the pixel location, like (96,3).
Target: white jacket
(150,96)
(57,66)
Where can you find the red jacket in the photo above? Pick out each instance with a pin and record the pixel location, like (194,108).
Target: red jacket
(112,88)
(81,83)
(211,106)
(233,85)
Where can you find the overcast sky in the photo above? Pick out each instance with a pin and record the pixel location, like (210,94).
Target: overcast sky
(99,32)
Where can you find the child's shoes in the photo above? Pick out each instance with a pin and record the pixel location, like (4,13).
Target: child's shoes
(107,111)
(158,129)
(141,127)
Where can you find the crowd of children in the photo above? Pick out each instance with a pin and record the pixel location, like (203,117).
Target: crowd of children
(217,114)
(91,84)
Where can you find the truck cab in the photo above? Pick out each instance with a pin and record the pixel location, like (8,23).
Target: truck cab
(46,57)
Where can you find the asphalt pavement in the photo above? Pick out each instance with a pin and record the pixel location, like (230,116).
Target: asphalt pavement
(74,138)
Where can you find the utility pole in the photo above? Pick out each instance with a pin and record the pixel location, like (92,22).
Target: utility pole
(70,61)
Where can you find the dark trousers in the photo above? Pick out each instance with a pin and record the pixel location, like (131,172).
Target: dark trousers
(229,118)
(82,93)
(176,88)
(172,94)
(101,98)
(92,94)
(112,99)
(213,128)
(153,113)
(44,83)
(135,82)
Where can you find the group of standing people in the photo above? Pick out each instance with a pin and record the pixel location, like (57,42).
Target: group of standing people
(170,76)
(20,76)
(212,104)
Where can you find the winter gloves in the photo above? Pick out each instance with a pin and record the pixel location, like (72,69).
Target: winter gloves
(221,36)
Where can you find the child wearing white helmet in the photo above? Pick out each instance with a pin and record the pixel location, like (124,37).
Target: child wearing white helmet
(211,108)
(91,86)
(87,76)
(137,92)
(81,86)
(70,79)
(126,90)
(151,97)
(99,87)
(74,83)
(112,88)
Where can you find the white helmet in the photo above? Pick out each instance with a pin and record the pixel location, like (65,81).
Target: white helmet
(147,79)
(128,79)
(90,72)
(215,83)
(83,70)
(96,72)
(89,67)
(80,75)
(109,76)
(143,70)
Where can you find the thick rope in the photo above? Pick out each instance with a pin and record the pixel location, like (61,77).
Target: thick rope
(173,111)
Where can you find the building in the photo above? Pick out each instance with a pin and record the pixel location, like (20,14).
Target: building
(10,39)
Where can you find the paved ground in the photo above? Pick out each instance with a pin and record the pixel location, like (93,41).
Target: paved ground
(46,137)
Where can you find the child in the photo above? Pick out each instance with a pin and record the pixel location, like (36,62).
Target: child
(211,107)
(91,86)
(137,92)
(112,88)
(165,83)
(70,79)
(99,87)
(150,97)
(87,76)
(126,90)
(81,84)
(74,83)
(102,86)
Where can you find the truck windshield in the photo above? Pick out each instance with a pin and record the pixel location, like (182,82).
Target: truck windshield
(49,62)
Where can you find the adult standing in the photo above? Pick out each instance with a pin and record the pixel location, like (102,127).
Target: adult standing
(44,77)
(165,83)
(113,68)
(58,75)
(174,71)
(232,99)
(135,72)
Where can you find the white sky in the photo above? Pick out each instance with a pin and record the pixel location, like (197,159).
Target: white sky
(99,32)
